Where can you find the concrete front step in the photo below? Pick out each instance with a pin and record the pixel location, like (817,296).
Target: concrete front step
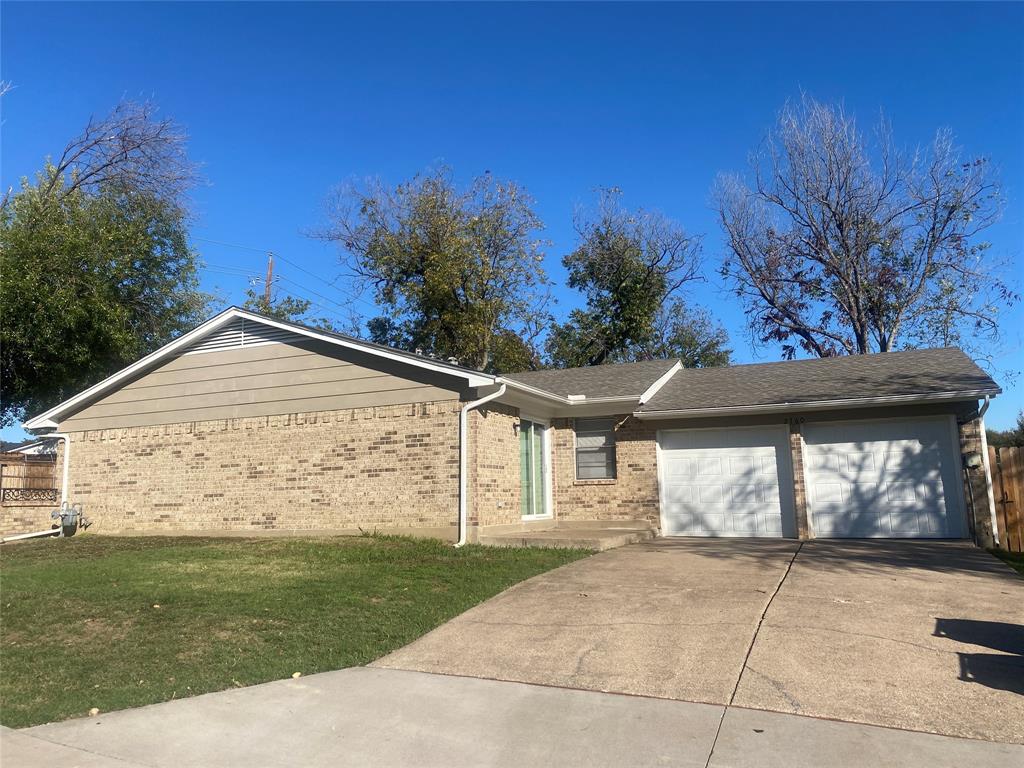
(597,539)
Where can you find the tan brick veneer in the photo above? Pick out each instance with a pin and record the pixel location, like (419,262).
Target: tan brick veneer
(387,468)
(493,467)
(633,495)
(25,517)
(975,484)
(796,457)
(393,467)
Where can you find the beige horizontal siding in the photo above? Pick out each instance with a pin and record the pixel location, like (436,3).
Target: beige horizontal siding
(261,380)
(337,379)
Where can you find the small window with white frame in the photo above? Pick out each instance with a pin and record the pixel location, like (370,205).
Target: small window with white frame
(595,449)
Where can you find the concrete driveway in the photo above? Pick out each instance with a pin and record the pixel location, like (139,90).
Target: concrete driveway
(925,636)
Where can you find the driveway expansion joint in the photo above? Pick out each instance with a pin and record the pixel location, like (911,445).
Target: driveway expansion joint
(750,648)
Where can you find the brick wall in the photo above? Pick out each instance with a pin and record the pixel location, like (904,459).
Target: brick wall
(976,482)
(393,467)
(25,517)
(796,455)
(633,495)
(493,466)
(386,468)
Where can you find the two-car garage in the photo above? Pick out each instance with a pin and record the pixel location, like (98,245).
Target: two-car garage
(881,478)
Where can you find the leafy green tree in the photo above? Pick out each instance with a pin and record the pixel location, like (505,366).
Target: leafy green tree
(689,334)
(285,307)
(90,283)
(95,266)
(459,270)
(1008,437)
(628,265)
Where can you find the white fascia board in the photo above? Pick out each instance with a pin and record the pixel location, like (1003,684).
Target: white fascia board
(47,419)
(45,424)
(818,405)
(662,380)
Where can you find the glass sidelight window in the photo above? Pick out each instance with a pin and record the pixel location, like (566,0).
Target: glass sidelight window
(532,469)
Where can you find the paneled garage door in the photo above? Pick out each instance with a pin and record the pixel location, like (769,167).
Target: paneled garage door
(887,479)
(726,482)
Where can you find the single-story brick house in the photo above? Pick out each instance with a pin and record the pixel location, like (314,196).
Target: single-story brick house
(250,424)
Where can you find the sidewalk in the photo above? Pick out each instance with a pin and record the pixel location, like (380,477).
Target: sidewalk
(380,717)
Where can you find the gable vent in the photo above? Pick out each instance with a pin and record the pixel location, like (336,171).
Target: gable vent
(242,333)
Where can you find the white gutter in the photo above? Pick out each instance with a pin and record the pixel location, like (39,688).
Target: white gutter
(463,460)
(988,470)
(567,400)
(542,393)
(815,405)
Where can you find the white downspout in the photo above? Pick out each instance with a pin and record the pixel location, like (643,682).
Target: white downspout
(988,471)
(463,459)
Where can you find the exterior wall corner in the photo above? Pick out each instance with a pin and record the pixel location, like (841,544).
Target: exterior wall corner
(977,481)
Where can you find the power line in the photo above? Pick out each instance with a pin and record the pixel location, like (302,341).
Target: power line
(231,245)
(321,278)
(228,270)
(345,315)
(320,295)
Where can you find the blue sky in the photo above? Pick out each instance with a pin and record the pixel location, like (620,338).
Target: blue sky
(282,101)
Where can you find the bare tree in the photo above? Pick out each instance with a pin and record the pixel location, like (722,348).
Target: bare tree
(131,149)
(845,246)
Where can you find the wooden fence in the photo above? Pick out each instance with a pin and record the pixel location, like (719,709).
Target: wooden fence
(28,477)
(1008,487)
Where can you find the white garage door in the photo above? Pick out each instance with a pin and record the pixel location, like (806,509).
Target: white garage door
(887,479)
(726,482)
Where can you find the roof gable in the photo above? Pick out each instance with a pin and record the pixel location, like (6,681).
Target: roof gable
(236,327)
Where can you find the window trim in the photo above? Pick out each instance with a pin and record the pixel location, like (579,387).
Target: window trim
(575,451)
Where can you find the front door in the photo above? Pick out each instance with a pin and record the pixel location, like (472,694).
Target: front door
(533,469)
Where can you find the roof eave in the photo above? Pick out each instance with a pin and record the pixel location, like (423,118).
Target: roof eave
(816,405)
(567,402)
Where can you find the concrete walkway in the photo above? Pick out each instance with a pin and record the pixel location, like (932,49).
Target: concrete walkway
(927,636)
(376,717)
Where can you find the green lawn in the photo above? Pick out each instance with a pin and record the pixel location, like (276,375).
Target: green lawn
(1013,559)
(96,621)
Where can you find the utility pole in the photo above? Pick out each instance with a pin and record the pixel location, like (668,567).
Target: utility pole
(270,279)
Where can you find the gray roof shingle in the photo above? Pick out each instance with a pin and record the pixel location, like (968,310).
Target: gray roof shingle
(615,380)
(888,374)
